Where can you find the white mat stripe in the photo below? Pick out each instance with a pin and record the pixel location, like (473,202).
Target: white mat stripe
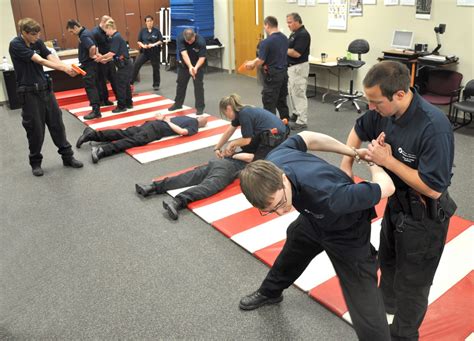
(134,99)
(265,234)
(223,208)
(181,148)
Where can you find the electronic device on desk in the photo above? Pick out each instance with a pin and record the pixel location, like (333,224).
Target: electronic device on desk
(438,30)
(438,59)
(402,40)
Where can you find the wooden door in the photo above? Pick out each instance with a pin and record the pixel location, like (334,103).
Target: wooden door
(16,13)
(118,14)
(52,26)
(248,30)
(67,10)
(85,14)
(30,9)
(101,7)
(132,20)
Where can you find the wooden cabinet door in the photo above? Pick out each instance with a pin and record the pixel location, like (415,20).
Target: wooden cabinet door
(118,14)
(67,11)
(31,9)
(101,7)
(51,24)
(85,14)
(132,19)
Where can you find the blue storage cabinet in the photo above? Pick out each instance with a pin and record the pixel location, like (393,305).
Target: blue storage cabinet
(196,14)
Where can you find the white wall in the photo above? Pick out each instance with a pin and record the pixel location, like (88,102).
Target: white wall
(223,30)
(377,25)
(7,33)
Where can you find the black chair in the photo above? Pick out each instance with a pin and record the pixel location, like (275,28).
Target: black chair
(466,106)
(359,46)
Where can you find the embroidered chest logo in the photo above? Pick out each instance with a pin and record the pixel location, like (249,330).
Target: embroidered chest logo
(195,49)
(407,157)
(314,215)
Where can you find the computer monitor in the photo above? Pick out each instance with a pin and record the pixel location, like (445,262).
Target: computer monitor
(402,39)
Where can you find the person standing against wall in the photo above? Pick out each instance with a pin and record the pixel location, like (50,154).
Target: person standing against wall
(149,41)
(192,48)
(298,70)
(87,54)
(35,92)
(105,71)
(272,54)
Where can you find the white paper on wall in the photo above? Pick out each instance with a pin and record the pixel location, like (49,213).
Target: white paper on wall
(407,2)
(355,8)
(390,2)
(423,9)
(337,15)
(465,2)
(369,2)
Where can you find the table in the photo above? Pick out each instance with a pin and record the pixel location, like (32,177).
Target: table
(215,51)
(332,69)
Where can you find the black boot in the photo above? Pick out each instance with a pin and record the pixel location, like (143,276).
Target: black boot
(145,190)
(37,170)
(72,162)
(172,206)
(87,135)
(95,113)
(97,153)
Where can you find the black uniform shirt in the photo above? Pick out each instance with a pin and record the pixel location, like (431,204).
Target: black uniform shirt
(422,138)
(152,37)
(119,46)
(85,42)
(28,72)
(300,41)
(101,39)
(185,122)
(195,50)
(322,192)
(254,120)
(274,51)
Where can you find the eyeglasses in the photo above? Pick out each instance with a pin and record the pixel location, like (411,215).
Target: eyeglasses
(277,207)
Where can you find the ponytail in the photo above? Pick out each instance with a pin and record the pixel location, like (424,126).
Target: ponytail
(233,100)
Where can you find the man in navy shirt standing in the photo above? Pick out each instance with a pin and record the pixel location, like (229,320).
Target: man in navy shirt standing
(298,69)
(413,141)
(119,55)
(192,49)
(87,53)
(335,216)
(272,54)
(105,71)
(150,41)
(120,140)
(35,92)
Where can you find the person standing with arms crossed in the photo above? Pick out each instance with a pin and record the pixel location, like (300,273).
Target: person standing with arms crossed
(105,71)
(298,70)
(119,55)
(335,216)
(149,41)
(87,54)
(413,140)
(192,48)
(35,92)
(272,54)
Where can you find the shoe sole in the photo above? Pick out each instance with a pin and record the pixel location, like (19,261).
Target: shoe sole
(170,211)
(267,302)
(140,191)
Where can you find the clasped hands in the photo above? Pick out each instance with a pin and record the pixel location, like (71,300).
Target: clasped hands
(228,151)
(377,151)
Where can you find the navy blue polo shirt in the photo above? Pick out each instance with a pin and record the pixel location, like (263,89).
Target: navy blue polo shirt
(150,37)
(195,50)
(27,71)
(253,121)
(118,45)
(86,41)
(274,51)
(422,138)
(300,41)
(322,192)
(101,39)
(185,122)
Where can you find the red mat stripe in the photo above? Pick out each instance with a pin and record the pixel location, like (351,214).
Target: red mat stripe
(111,98)
(111,107)
(140,121)
(230,190)
(177,141)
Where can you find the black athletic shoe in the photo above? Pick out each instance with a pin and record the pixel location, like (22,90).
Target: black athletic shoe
(175,107)
(130,106)
(37,170)
(172,206)
(119,109)
(97,153)
(145,190)
(72,162)
(256,300)
(86,136)
(93,114)
(200,111)
(104,103)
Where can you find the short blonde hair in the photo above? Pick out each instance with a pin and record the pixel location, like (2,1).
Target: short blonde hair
(110,24)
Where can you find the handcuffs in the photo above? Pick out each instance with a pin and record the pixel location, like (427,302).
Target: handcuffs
(358,159)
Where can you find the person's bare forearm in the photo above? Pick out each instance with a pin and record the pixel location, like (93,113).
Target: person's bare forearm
(325,143)
(380,177)
(225,137)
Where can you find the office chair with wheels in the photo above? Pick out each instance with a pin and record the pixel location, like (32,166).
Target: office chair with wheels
(466,106)
(359,46)
(443,87)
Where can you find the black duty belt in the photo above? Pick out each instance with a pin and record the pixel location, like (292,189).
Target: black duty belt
(33,88)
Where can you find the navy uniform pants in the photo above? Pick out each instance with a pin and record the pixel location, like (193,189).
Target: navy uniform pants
(40,109)
(106,72)
(182,84)
(90,83)
(207,180)
(275,92)
(121,140)
(124,92)
(354,260)
(154,58)
(410,251)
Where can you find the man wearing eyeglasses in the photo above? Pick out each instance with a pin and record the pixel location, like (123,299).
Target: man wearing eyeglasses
(335,216)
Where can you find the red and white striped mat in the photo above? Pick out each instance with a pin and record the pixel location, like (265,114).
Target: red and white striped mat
(451,301)
(145,107)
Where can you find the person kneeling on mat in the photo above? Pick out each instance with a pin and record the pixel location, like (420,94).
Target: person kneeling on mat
(120,140)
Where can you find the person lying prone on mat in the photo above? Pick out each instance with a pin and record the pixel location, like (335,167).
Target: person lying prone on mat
(119,140)
(261,130)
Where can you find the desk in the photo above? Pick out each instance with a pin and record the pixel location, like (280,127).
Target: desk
(332,69)
(215,51)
